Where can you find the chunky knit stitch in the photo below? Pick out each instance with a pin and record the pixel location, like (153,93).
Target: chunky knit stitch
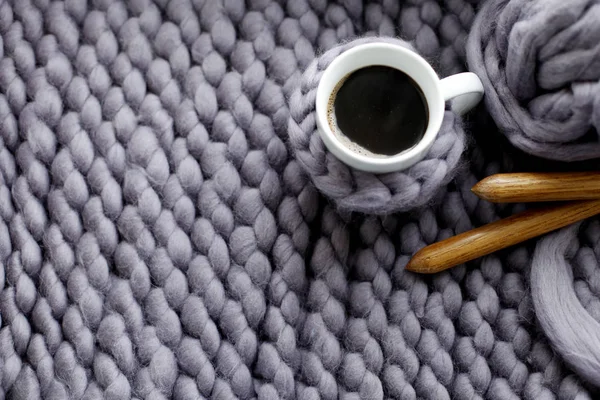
(159,240)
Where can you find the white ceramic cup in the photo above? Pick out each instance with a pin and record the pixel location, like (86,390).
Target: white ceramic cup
(465,90)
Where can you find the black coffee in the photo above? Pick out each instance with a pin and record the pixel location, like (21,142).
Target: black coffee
(381,109)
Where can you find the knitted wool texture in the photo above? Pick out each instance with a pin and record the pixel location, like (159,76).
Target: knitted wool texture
(157,239)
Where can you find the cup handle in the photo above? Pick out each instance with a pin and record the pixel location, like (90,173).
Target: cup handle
(464,90)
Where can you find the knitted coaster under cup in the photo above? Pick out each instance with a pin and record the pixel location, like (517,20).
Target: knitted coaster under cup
(354,190)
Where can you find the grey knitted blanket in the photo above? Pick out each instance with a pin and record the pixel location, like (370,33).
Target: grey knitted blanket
(158,239)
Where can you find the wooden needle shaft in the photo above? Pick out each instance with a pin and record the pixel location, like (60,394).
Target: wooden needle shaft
(529,187)
(498,235)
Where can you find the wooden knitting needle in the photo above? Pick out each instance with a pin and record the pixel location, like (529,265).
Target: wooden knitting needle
(528,187)
(498,235)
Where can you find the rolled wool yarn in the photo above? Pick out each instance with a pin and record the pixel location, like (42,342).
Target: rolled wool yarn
(353,190)
(538,61)
(571,328)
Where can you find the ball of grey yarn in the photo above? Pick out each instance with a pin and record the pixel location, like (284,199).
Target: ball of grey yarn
(354,190)
(538,61)
(569,326)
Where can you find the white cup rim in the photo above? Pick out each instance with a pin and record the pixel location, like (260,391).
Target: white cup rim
(394,56)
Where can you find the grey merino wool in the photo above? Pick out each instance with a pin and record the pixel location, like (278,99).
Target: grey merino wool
(165,233)
(538,62)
